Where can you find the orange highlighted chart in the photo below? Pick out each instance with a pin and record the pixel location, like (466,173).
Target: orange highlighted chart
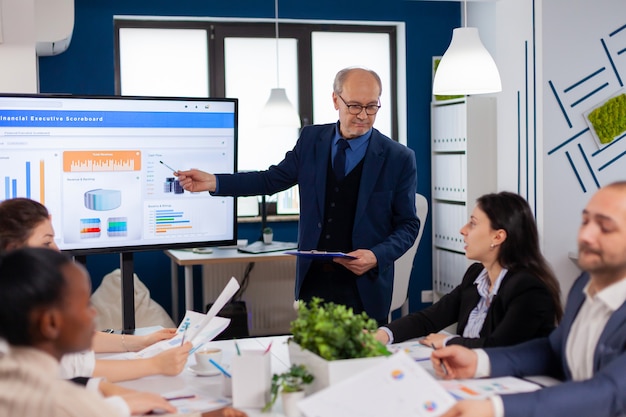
(101,161)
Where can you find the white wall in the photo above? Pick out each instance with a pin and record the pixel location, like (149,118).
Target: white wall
(18,60)
(561,44)
(27,26)
(580,38)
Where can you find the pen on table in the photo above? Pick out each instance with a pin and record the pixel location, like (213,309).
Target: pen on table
(443,366)
(222,370)
(237,347)
(182,397)
(268,348)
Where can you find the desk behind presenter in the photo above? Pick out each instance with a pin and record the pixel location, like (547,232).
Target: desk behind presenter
(219,255)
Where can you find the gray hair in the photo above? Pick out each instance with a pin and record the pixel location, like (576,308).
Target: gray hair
(341,76)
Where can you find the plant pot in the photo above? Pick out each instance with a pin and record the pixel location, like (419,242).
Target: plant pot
(267,238)
(328,372)
(290,401)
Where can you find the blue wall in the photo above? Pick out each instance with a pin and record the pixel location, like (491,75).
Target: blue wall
(87,68)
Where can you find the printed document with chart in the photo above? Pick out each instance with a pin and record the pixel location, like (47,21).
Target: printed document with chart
(198,328)
(397,386)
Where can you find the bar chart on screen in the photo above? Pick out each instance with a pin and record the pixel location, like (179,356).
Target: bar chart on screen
(26,176)
(288,201)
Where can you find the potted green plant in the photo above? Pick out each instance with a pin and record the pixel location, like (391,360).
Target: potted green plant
(333,342)
(291,386)
(268,235)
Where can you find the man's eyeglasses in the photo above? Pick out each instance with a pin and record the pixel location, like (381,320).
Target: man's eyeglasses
(354,109)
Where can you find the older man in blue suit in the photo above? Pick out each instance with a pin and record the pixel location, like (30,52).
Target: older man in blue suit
(357,195)
(588,348)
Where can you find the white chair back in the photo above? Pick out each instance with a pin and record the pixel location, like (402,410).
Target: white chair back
(404,264)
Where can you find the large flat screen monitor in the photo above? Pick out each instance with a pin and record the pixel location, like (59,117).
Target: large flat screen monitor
(103,166)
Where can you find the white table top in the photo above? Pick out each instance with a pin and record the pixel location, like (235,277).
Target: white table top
(222,255)
(187,383)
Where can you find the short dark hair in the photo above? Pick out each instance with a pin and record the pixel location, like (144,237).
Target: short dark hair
(29,278)
(18,218)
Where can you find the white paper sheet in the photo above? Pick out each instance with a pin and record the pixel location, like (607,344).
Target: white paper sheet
(397,387)
(200,402)
(475,389)
(198,328)
(206,334)
(413,348)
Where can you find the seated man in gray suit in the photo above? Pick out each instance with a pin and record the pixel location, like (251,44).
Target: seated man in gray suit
(587,350)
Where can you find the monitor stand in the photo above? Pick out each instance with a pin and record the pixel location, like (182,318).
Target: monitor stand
(128,292)
(128,289)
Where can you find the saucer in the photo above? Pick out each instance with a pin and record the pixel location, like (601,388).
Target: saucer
(203,372)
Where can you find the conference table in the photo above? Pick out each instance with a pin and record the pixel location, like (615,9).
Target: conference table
(210,387)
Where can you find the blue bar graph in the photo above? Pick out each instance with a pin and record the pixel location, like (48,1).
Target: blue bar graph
(10,184)
(27,179)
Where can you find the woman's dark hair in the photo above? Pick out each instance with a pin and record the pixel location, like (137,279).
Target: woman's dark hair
(18,218)
(29,278)
(520,250)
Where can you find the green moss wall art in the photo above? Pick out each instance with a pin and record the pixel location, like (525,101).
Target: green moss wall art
(607,120)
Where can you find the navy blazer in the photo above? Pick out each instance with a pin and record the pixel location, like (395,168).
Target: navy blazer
(385,220)
(522,309)
(602,395)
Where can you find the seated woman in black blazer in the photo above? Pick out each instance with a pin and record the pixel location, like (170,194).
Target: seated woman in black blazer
(509,296)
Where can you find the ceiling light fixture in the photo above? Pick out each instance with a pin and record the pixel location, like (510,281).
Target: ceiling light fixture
(278,111)
(466,67)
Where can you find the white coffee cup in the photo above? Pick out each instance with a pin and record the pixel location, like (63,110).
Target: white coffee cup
(204,357)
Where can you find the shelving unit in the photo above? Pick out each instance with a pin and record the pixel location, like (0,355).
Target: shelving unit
(463,155)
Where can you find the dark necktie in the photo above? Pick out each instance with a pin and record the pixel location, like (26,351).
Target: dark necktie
(339,163)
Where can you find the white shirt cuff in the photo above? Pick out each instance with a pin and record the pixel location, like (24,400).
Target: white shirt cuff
(498,406)
(483,365)
(93,384)
(386,330)
(447,339)
(77,364)
(119,404)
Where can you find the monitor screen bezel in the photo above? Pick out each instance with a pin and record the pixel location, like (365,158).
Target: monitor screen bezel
(150,246)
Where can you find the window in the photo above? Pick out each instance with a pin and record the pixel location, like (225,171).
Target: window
(244,60)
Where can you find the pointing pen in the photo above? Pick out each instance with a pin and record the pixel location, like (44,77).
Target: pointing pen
(173,170)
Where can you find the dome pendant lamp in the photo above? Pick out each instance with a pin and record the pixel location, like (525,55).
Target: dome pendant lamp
(278,111)
(466,67)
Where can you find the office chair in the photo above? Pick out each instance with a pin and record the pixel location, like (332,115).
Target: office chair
(404,264)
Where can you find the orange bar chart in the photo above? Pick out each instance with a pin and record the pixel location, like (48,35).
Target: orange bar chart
(101,161)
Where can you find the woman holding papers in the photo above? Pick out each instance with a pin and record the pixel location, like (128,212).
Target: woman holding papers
(510,295)
(26,223)
(45,314)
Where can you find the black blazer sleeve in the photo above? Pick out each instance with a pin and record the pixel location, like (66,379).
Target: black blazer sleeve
(448,310)
(522,309)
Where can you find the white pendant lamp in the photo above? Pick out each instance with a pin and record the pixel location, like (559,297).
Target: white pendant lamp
(278,111)
(466,67)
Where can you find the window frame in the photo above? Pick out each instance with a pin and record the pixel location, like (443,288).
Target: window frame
(217,31)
